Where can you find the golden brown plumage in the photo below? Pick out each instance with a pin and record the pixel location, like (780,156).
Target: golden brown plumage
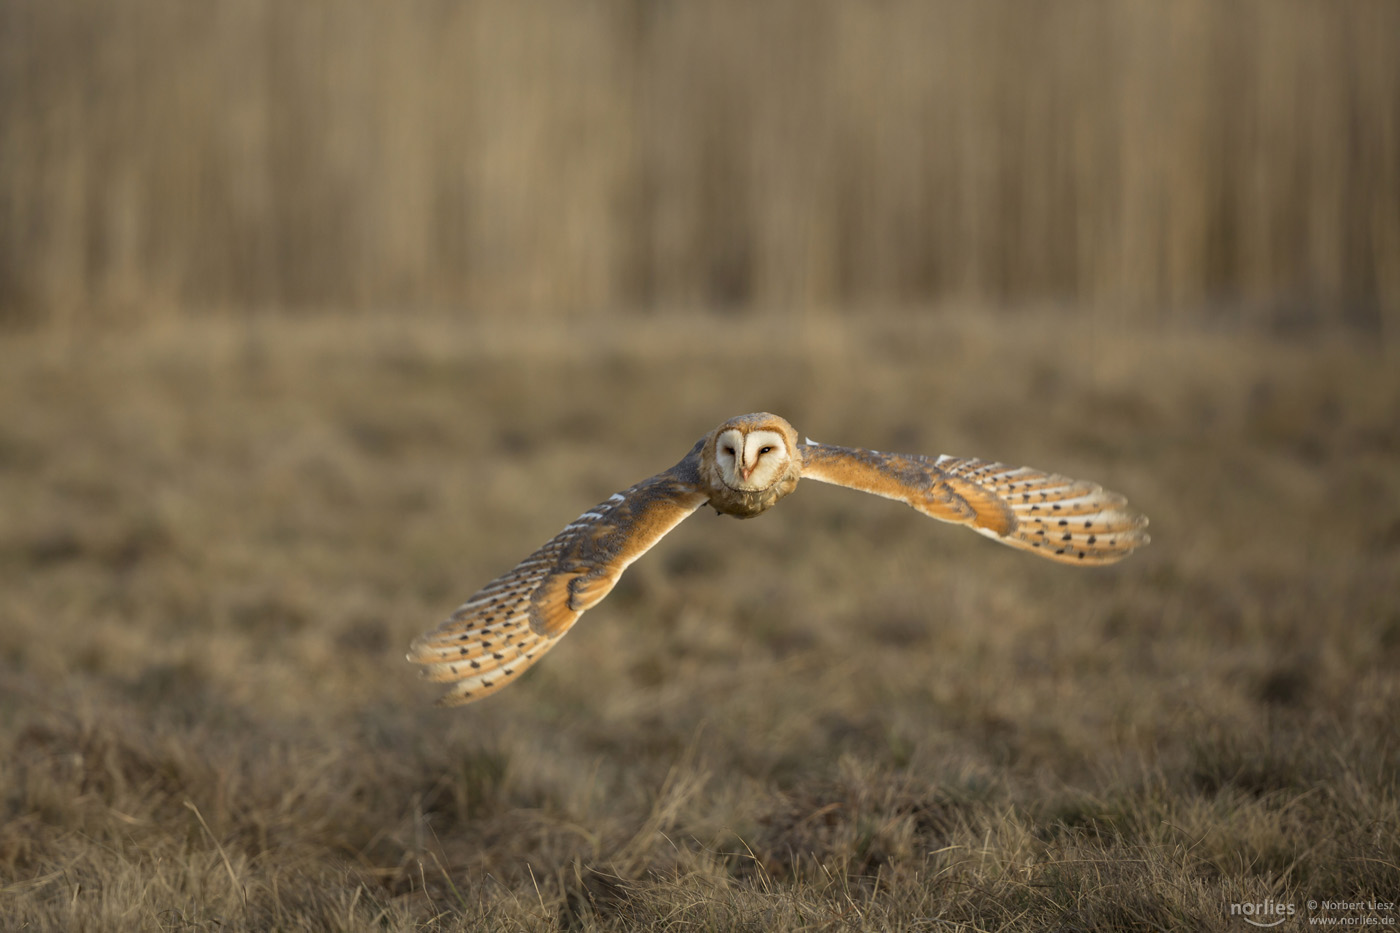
(743,468)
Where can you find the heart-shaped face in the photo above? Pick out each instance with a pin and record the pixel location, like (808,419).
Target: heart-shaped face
(751,461)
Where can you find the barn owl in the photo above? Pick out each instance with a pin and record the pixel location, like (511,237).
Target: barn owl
(743,468)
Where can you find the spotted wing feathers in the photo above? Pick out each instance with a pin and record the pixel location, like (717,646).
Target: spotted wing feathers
(1067,520)
(505,627)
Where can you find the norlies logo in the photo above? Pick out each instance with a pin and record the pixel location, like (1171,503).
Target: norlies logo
(1266,913)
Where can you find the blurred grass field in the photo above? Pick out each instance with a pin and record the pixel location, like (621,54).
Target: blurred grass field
(218,537)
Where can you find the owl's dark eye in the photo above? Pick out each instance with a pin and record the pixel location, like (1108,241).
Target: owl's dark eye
(729,450)
(765,450)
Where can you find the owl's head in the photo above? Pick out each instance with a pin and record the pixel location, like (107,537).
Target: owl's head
(753,452)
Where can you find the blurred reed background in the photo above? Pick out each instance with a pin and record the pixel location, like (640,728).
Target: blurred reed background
(1146,158)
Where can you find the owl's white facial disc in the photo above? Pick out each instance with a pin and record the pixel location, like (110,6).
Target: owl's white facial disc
(752,461)
(729,447)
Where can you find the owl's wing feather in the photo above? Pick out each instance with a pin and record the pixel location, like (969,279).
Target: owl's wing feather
(1067,520)
(503,629)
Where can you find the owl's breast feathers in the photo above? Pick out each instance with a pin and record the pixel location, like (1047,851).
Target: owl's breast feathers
(745,504)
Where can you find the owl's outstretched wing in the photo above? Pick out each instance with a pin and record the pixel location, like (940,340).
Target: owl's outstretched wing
(504,628)
(1067,520)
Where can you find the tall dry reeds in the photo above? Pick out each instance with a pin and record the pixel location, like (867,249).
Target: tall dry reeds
(1153,156)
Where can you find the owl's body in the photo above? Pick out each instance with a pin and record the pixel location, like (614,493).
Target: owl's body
(743,468)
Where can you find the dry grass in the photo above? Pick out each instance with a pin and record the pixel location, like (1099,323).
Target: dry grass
(217,541)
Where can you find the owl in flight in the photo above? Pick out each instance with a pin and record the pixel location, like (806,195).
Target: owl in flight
(742,468)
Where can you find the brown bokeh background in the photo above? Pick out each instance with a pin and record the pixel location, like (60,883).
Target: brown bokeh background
(1162,158)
